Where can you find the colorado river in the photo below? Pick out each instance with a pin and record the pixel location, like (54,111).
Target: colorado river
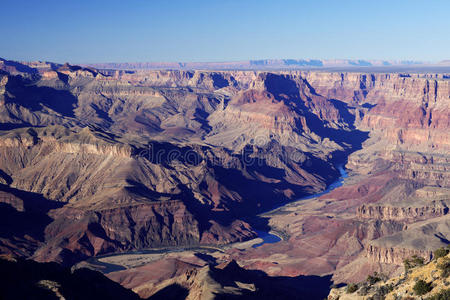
(264,235)
(269,238)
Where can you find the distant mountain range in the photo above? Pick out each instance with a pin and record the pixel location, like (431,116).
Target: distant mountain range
(262,64)
(257,64)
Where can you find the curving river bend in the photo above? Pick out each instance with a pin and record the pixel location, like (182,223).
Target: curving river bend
(266,236)
(270,238)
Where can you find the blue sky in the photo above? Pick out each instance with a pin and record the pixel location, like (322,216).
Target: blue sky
(82,31)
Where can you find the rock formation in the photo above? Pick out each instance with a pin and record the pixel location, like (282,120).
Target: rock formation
(433,274)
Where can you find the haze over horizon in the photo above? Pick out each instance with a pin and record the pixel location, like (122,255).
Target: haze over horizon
(210,31)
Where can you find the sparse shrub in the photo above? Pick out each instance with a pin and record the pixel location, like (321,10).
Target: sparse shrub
(364,290)
(413,262)
(382,291)
(422,287)
(417,260)
(444,266)
(372,279)
(407,265)
(351,288)
(442,295)
(441,252)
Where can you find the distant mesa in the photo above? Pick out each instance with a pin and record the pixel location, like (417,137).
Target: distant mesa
(259,64)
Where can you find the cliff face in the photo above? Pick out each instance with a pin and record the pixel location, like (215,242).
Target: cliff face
(405,214)
(409,112)
(395,255)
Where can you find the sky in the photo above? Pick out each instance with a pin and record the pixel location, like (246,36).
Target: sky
(80,31)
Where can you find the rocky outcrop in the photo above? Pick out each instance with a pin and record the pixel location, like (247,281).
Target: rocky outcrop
(395,255)
(77,234)
(419,239)
(430,169)
(399,286)
(406,214)
(71,147)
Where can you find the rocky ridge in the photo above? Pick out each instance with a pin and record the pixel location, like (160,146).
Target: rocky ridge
(433,276)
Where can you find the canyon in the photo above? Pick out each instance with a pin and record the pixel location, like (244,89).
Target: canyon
(96,161)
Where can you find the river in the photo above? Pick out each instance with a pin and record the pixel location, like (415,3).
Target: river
(270,238)
(266,236)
